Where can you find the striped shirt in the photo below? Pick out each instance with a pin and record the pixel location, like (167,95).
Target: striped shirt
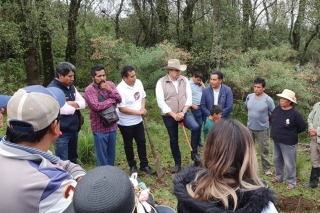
(91,96)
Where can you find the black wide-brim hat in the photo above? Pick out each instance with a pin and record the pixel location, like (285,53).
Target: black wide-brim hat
(103,189)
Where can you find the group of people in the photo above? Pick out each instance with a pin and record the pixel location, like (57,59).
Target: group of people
(175,95)
(35,180)
(227,181)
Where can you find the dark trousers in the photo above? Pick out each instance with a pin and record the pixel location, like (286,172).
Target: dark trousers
(198,116)
(172,128)
(135,132)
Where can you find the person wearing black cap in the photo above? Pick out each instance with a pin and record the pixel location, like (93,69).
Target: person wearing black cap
(109,189)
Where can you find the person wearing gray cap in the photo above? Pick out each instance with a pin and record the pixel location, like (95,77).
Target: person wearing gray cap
(32,178)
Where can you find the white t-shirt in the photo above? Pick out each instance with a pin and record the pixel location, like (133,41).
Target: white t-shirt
(131,98)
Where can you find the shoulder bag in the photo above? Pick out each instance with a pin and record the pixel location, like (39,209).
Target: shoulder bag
(108,116)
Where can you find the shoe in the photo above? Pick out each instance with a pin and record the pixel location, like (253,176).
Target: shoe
(133,169)
(309,185)
(148,170)
(314,178)
(268,173)
(176,168)
(274,180)
(289,187)
(195,157)
(200,144)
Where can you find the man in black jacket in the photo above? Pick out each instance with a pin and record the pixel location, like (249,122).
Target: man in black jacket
(67,144)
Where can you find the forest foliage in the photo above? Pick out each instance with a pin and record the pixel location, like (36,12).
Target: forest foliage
(275,39)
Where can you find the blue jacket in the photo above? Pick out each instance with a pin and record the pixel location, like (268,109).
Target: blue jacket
(225,100)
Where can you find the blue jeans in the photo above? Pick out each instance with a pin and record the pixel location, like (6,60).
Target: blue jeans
(285,156)
(105,147)
(172,128)
(197,114)
(66,146)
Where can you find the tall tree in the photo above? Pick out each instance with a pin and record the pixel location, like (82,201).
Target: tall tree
(71,49)
(163,13)
(30,38)
(188,22)
(296,33)
(216,36)
(45,43)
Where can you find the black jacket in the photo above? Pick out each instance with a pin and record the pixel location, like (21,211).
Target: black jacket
(68,123)
(249,202)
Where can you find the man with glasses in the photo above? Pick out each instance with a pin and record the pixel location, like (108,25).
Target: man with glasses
(66,145)
(32,179)
(174,98)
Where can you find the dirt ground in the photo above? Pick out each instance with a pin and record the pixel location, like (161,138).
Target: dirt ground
(296,204)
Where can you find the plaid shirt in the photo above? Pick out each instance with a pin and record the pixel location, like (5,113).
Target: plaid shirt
(91,96)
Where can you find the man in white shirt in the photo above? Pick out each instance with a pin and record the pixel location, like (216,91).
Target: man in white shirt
(174,98)
(131,109)
(66,145)
(217,94)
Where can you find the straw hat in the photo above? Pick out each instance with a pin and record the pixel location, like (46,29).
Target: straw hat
(288,94)
(174,64)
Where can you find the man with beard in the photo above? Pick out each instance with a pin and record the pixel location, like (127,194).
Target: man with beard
(104,136)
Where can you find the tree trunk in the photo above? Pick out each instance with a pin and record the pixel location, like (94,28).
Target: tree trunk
(32,67)
(296,33)
(47,57)
(302,57)
(216,36)
(178,21)
(117,20)
(45,45)
(162,11)
(187,16)
(30,43)
(142,20)
(245,24)
(71,50)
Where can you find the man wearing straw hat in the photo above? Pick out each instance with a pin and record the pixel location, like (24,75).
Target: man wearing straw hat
(174,98)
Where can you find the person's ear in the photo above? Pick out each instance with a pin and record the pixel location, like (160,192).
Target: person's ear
(55,128)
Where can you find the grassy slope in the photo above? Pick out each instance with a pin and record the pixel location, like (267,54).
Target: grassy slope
(162,187)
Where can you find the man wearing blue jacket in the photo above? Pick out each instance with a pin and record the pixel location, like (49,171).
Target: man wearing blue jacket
(217,94)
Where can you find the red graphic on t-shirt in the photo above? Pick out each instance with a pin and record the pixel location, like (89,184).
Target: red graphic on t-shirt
(136,95)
